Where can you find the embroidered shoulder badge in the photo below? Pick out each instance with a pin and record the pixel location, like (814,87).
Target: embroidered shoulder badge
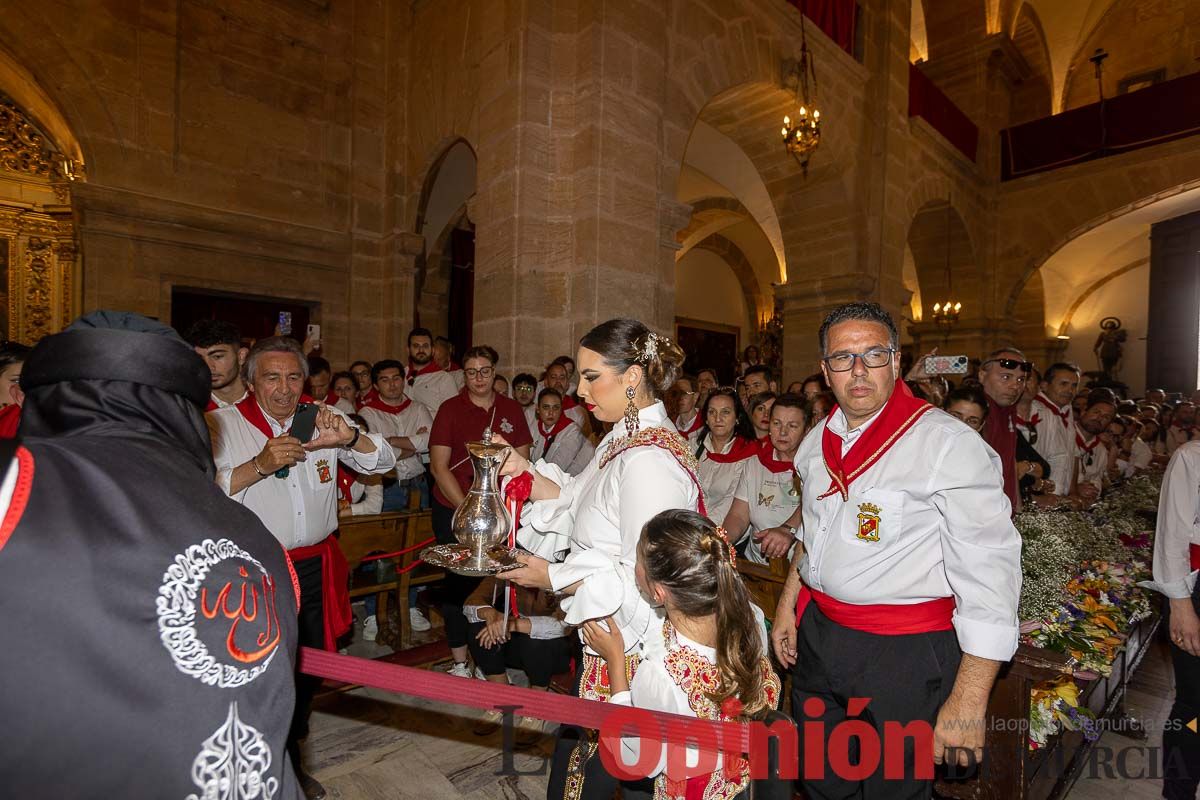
(868,522)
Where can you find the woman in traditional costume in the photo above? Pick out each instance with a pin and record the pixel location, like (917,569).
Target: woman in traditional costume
(584,530)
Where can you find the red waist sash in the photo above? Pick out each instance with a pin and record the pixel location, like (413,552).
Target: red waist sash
(880,618)
(1194,554)
(335,592)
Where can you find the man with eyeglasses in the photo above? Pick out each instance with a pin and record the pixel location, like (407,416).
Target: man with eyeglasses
(428,383)
(907,584)
(1002,376)
(461,419)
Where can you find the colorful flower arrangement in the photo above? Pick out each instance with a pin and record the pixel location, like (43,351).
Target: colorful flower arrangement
(1080,595)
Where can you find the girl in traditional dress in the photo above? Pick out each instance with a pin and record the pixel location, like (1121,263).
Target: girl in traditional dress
(709,659)
(726,441)
(584,530)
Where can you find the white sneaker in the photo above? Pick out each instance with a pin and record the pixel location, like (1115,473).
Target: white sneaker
(479,674)
(370,628)
(417,620)
(459,670)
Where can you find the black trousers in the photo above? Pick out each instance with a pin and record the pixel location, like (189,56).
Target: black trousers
(455,588)
(539,659)
(576,772)
(1181,746)
(906,678)
(311,633)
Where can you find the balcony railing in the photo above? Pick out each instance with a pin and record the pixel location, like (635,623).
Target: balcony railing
(1150,116)
(927,101)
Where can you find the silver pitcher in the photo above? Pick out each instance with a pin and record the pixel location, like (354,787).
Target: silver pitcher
(482,521)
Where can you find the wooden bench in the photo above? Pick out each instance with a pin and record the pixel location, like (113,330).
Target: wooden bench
(385,533)
(765,582)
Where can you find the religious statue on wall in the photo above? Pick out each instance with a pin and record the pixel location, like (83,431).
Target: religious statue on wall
(1110,346)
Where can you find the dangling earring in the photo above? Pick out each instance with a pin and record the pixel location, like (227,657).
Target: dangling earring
(631,413)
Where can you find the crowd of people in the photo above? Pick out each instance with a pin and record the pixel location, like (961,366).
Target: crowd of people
(647,482)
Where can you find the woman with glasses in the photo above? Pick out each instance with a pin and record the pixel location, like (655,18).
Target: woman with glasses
(726,441)
(462,419)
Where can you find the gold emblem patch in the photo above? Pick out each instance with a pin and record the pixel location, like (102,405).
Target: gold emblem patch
(323,471)
(868,522)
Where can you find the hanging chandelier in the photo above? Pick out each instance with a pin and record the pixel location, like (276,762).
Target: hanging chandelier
(946,314)
(802,136)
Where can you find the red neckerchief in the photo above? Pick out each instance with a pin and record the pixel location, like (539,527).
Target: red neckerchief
(1030,423)
(563,423)
(414,372)
(379,404)
(1064,416)
(453,367)
(332,397)
(740,450)
(254,414)
(1087,448)
(697,424)
(766,457)
(10,420)
(900,413)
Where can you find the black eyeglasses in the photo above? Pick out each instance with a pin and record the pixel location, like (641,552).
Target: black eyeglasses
(874,358)
(1010,363)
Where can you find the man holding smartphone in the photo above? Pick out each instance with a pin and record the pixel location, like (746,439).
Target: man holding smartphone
(290,482)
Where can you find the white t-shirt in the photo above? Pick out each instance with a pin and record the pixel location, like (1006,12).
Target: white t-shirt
(772,498)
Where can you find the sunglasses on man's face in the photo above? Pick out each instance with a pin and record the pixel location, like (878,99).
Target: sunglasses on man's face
(1011,363)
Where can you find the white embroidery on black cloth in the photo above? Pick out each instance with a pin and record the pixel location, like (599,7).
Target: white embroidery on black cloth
(233,763)
(176,607)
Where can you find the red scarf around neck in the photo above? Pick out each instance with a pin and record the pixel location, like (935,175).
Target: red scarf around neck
(250,409)
(1063,416)
(1028,424)
(739,451)
(697,424)
(415,372)
(1085,447)
(376,402)
(900,413)
(332,397)
(766,457)
(563,423)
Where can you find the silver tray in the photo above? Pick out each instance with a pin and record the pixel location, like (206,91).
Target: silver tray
(457,558)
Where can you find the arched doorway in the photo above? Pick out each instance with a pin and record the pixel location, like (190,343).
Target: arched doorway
(39,274)
(445,290)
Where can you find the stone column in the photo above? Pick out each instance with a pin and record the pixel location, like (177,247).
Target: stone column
(805,304)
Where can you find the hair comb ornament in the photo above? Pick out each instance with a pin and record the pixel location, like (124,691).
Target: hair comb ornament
(723,535)
(648,348)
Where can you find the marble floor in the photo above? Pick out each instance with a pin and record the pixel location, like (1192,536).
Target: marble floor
(368,744)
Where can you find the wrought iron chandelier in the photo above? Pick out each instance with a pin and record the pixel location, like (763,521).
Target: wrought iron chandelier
(802,136)
(946,314)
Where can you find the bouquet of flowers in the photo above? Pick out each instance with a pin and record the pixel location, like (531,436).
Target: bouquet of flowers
(1055,706)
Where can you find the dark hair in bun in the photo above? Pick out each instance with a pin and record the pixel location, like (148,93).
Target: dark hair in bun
(625,342)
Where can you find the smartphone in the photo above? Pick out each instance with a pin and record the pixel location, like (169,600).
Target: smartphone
(285,323)
(304,421)
(946,365)
(313,335)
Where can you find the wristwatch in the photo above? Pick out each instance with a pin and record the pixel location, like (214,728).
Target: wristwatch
(354,441)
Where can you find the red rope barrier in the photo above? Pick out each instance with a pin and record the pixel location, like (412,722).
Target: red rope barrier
(549,706)
(401,570)
(416,546)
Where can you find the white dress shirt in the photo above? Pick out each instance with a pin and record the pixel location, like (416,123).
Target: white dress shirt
(772,498)
(413,422)
(1056,442)
(592,528)
(1140,454)
(365,498)
(432,389)
(1178,523)
(1175,437)
(719,480)
(571,450)
(300,509)
(943,529)
(222,404)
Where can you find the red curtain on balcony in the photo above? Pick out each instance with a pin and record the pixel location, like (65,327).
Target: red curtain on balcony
(927,101)
(836,18)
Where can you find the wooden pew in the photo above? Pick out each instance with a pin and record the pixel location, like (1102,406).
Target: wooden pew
(387,532)
(765,582)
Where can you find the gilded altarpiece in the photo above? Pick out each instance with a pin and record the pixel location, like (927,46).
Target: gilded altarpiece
(38,258)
